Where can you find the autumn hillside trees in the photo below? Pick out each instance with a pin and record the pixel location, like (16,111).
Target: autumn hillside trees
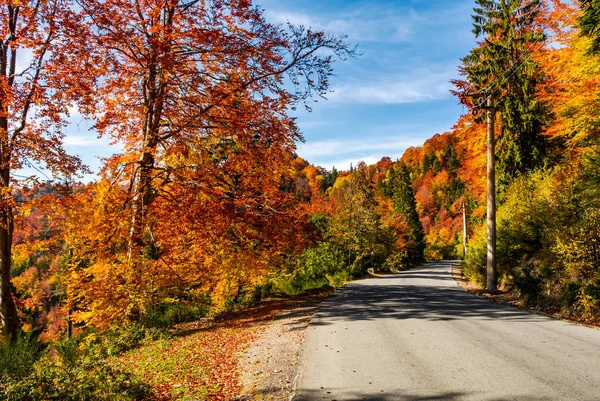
(404,204)
(365,221)
(207,204)
(548,221)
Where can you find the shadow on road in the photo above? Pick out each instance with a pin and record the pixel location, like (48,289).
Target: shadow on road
(425,293)
(307,395)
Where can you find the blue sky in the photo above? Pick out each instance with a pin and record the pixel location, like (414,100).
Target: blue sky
(395,95)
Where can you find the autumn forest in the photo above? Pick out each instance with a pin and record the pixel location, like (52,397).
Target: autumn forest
(209,209)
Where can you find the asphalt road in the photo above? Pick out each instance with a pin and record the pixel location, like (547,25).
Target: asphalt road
(418,336)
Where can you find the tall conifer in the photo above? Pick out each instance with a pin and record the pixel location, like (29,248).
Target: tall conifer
(403,196)
(503,66)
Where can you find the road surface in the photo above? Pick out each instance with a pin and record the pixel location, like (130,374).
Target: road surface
(418,336)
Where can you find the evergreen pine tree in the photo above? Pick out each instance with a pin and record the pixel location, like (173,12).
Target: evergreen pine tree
(503,65)
(589,22)
(403,197)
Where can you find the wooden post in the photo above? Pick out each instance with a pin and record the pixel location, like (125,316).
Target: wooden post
(69,325)
(492,280)
(464,211)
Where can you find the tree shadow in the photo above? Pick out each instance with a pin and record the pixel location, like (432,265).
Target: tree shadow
(313,395)
(267,311)
(425,293)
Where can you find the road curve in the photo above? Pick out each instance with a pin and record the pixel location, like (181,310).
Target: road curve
(418,336)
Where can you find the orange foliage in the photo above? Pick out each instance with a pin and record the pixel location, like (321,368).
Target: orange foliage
(572,80)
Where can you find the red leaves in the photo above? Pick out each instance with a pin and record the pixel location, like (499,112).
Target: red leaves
(201,361)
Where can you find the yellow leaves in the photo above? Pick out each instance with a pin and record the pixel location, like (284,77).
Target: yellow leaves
(88,340)
(572,82)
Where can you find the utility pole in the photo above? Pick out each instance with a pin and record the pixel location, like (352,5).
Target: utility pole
(464,212)
(350,226)
(492,280)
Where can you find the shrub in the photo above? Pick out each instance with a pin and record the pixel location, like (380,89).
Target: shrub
(548,239)
(589,298)
(18,357)
(316,267)
(519,232)
(80,380)
(396,261)
(569,294)
(171,312)
(528,285)
(322,260)
(338,279)
(78,369)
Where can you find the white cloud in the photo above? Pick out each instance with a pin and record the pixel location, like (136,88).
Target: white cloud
(346,163)
(282,17)
(82,141)
(336,147)
(413,87)
(360,25)
(341,153)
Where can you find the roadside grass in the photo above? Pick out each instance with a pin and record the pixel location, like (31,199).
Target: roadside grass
(199,360)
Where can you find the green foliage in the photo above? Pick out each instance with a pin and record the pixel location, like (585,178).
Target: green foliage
(116,340)
(520,221)
(338,279)
(321,223)
(173,311)
(528,285)
(76,369)
(328,179)
(504,63)
(589,22)
(324,259)
(404,202)
(442,250)
(58,379)
(548,239)
(17,357)
(577,247)
(589,299)
(396,261)
(356,227)
(321,265)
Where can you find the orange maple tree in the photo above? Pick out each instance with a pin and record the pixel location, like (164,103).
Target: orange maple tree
(197,93)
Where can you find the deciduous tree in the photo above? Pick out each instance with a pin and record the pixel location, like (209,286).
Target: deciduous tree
(198,94)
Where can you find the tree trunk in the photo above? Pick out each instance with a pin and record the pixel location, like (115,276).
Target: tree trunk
(142,198)
(8,311)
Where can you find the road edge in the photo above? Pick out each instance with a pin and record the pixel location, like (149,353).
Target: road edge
(301,352)
(509,300)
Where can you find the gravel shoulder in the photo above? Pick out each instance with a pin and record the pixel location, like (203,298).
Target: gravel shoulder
(268,365)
